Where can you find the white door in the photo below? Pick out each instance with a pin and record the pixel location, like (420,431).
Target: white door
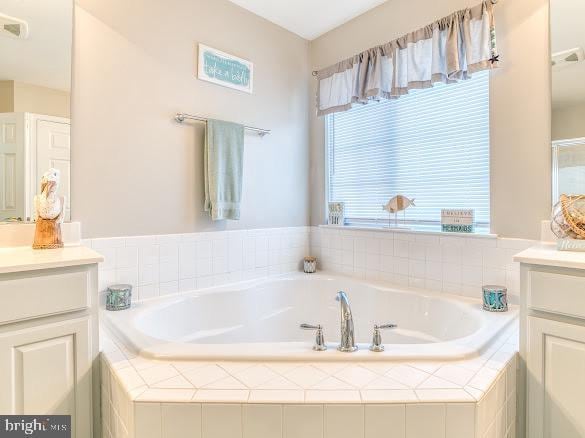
(52,142)
(556,379)
(12,171)
(47,370)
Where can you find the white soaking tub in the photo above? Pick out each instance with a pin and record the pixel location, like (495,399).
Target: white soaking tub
(259,320)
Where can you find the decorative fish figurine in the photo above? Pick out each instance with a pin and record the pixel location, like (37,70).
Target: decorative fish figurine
(398,203)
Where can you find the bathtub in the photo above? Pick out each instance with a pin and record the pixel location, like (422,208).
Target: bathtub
(259,320)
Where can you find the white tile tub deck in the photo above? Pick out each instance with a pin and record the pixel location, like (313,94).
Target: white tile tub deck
(474,398)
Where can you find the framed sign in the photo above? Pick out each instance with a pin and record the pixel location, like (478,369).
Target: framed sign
(457,221)
(224,69)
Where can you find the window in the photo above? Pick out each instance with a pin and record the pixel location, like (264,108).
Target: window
(431,145)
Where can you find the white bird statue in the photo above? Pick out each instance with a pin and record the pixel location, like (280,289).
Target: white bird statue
(47,204)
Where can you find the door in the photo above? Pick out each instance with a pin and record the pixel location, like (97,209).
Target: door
(12,171)
(556,379)
(52,142)
(47,370)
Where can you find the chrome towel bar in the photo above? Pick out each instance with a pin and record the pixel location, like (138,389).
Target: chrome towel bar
(181,117)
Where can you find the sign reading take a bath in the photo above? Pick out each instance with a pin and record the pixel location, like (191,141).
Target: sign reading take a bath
(224,69)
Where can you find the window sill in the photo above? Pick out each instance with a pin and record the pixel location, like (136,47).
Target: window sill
(412,230)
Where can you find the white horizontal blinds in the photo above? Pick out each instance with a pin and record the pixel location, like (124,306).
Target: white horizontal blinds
(431,145)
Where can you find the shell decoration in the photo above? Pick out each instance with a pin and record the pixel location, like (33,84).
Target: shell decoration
(568,217)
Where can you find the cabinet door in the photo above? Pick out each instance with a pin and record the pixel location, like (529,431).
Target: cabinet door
(46,369)
(556,379)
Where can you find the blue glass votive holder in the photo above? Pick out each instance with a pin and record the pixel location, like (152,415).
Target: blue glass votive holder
(495,298)
(119,297)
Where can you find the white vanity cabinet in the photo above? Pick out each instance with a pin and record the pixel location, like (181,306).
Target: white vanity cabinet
(552,337)
(49,335)
(556,385)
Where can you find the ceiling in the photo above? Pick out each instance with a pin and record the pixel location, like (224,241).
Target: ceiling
(567,32)
(308,18)
(44,58)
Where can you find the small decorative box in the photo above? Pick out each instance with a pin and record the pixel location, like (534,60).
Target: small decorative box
(495,298)
(119,297)
(336,213)
(310,265)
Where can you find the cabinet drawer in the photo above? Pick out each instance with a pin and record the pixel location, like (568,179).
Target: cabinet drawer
(41,293)
(557,293)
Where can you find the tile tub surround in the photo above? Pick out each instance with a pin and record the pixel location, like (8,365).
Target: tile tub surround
(475,398)
(175,263)
(457,264)
(171,264)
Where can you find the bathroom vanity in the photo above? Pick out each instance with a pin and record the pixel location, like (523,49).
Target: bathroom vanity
(552,341)
(49,334)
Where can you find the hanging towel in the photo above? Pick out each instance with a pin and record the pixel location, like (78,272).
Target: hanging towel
(223,162)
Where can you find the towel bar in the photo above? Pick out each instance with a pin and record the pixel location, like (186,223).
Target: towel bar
(181,117)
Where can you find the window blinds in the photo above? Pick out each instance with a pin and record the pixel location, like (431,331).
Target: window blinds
(431,145)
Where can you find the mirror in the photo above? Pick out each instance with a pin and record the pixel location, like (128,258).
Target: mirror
(35,89)
(568,97)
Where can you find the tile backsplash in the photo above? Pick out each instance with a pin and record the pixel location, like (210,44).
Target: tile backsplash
(453,264)
(174,263)
(170,264)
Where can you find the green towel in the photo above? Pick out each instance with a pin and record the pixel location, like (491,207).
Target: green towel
(223,162)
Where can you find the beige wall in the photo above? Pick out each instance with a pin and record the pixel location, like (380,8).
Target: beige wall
(520,101)
(136,171)
(568,122)
(41,100)
(20,97)
(6,96)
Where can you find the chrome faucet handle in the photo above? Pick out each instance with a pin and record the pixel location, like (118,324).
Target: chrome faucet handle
(377,345)
(319,338)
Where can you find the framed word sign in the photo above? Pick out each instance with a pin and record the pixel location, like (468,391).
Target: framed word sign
(224,69)
(457,221)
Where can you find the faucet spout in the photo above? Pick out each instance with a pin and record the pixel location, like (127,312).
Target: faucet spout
(347,343)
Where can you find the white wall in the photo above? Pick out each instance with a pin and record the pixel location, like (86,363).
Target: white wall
(451,264)
(519,98)
(170,264)
(135,170)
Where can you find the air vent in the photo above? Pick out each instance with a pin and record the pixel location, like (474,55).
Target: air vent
(567,57)
(13,27)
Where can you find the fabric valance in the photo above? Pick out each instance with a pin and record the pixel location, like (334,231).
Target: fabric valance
(448,50)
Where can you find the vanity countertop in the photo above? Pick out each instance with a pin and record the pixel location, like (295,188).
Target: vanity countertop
(22,258)
(547,254)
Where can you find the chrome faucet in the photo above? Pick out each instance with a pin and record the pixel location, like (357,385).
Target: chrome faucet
(347,334)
